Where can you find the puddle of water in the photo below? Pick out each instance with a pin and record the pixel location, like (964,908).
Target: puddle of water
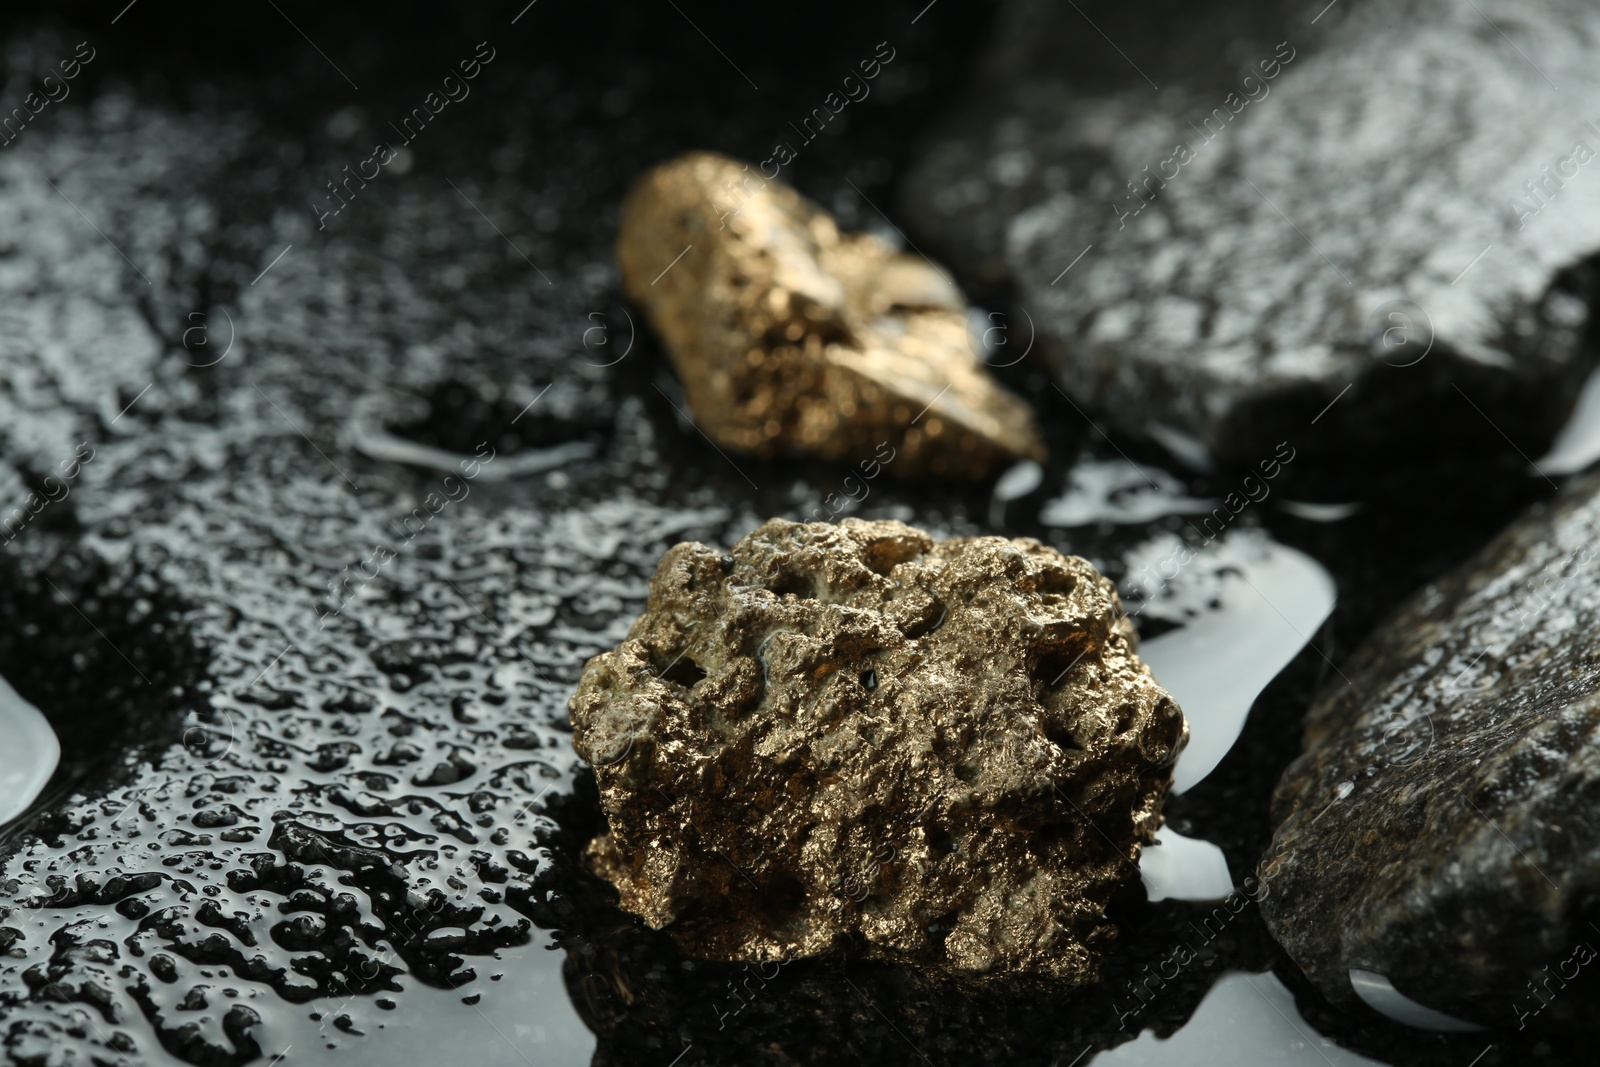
(383,445)
(1320,512)
(29,755)
(1248,605)
(1184,868)
(1252,1014)
(526,1018)
(1190,451)
(1018,481)
(1381,996)
(1119,491)
(1578,443)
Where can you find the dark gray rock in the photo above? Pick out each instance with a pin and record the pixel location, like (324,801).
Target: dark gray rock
(1273,206)
(1441,826)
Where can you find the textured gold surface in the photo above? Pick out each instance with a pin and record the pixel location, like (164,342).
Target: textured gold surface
(853,740)
(790,336)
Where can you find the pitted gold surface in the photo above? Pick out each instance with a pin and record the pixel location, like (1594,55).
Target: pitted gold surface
(791,336)
(853,740)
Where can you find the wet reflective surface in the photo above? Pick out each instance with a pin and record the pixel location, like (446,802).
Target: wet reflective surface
(307,649)
(1242,1011)
(29,755)
(1248,605)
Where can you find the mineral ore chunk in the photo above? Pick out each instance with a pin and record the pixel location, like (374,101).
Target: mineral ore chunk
(856,740)
(791,336)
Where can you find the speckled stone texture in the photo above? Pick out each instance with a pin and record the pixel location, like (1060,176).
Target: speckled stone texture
(854,740)
(1391,199)
(790,336)
(1440,827)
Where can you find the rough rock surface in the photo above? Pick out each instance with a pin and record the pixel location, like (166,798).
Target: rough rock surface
(790,336)
(1391,198)
(1440,828)
(854,740)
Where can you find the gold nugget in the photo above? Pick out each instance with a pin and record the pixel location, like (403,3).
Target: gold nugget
(791,336)
(853,740)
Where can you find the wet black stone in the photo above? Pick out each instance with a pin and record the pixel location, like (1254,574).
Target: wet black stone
(1438,828)
(1312,190)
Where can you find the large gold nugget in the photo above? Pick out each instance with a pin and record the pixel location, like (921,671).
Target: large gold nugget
(790,336)
(853,740)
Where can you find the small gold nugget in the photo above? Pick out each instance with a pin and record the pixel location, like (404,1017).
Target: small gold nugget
(790,336)
(854,740)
